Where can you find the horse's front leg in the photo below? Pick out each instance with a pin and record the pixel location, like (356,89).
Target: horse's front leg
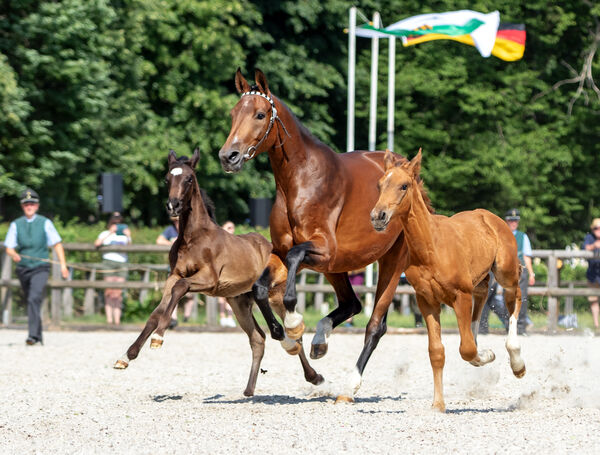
(308,253)
(177,292)
(150,326)
(274,274)
(348,305)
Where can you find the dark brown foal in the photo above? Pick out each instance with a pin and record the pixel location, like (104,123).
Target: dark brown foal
(207,259)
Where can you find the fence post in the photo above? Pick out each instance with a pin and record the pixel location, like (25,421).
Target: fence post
(301,303)
(194,314)
(569,300)
(212,311)
(55,299)
(552,300)
(90,293)
(144,292)
(6,292)
(67,299)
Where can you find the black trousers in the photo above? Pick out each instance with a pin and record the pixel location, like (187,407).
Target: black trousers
(500,309)
(33,281)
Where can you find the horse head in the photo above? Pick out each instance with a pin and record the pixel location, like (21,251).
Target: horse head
(252,120)
(400,178)
(180,181)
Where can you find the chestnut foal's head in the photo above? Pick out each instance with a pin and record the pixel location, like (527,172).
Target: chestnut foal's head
(252,121)
(180,180)
(399,179)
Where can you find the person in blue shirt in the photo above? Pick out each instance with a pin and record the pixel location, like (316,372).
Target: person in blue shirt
(27,242)
(512,217)
(591,242)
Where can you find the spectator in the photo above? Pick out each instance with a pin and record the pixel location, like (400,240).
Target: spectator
(27,242)
(225,311)
(494,302)
(168,237)
(592,243)
(116,233)
(524,252)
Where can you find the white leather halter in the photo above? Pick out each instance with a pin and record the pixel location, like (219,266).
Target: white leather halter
(252,149)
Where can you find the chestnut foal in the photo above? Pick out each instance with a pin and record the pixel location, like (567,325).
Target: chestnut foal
(205,258)
(449,262)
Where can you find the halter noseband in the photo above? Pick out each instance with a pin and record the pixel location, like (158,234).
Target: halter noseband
(252,149)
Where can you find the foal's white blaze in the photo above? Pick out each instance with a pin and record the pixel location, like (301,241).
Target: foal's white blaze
(513,346)
(292,319)
(176,171)
(324,328)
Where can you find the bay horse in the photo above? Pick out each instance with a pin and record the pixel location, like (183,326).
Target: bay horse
(207,259)
(320,217)
(449,260)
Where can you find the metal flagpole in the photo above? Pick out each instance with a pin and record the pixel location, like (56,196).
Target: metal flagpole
(351,73)
(372,139)
(391,92)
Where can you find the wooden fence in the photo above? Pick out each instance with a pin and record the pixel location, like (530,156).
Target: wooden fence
(61,291)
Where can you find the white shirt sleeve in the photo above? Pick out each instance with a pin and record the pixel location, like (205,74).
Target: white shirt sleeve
(51,234)
(11,236)
(527,246)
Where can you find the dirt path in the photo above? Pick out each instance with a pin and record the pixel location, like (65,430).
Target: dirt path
(65,397)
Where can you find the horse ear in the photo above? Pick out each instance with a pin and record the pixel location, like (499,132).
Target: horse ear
(241,84)
(172,157)
(261,81)
(415,164)
(195,158)
(389,160)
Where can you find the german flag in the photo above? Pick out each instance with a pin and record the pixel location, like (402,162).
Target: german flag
(510,42)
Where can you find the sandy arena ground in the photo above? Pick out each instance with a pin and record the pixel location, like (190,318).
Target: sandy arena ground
(65,397)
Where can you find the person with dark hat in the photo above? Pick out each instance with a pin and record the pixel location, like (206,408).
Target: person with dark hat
(27,242)
(512,217)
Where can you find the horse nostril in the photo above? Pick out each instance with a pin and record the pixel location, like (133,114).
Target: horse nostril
(233,156)
(382,215)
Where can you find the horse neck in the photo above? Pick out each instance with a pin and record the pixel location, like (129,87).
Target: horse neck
(195,218)
(417,223)
(293,152)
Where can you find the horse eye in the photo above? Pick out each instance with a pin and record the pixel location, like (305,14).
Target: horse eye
(190,179)
(404,187)
(260,115)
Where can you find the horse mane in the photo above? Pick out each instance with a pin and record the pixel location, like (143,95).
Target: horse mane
(208,202)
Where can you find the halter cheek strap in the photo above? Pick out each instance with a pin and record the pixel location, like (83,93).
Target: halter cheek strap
(252,149)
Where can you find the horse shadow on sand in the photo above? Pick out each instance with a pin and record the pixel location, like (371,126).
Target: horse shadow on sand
(287,399)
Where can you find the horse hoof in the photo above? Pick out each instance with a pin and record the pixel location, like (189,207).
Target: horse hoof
(294,350)
(519,374)
(156,341)
(438,407)
(318,380)
(344,399)
(248,393)
(120,365)
(296,332)
(318,350)
(292,347)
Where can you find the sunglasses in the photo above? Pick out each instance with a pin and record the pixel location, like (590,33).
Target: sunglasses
(595,228)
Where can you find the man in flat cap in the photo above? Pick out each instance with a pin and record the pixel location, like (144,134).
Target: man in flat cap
(27,242)
(512,218)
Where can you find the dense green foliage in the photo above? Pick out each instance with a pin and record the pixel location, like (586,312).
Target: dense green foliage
(111,85)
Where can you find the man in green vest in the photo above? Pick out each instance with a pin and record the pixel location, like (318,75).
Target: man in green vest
(27,242)
(513,216)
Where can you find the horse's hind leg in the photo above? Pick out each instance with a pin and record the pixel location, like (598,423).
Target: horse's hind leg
(150,326)
(348,305)
(512,298)
(480,294)
(463,307)
(242,308)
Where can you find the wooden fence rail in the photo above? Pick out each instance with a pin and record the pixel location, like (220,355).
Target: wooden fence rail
(61,300)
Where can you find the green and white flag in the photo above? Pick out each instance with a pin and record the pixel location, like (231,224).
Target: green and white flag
(481,28)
